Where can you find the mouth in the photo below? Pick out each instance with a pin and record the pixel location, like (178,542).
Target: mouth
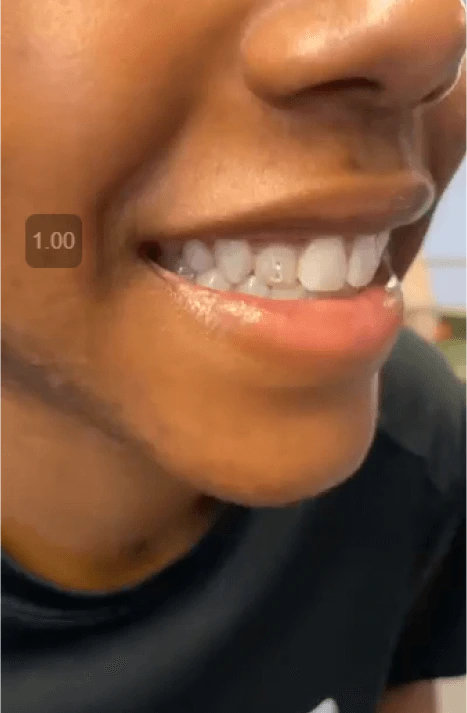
(332,296)
(291,268)
(306,289)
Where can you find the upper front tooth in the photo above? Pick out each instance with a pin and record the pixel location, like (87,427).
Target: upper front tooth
(276,265)
(382,241)
(364,261)
(234,258)
(323,265)
(197,256)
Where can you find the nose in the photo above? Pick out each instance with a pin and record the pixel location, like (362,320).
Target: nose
(401,53)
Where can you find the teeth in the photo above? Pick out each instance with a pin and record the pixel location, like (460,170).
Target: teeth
(253,286)
(197,256)
(280,271)
(293,293)
(393,284)
(214,279)
(382,241)
(365,258)
(181,269)
(234,258)
(364,261)
(277,265)
(323,265)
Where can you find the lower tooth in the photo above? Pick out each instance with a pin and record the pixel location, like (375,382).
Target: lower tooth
(213,279)
(294,293)
(394,294)
(393,284)
(183,271)
(253,286)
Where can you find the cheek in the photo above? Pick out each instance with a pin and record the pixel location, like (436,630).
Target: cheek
(44,310)
(79,116)
(90,92)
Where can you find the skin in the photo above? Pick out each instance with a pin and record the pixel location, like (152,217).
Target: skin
(167,119)
(414,698)
(100,365)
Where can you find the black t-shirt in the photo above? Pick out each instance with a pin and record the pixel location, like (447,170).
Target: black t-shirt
(319,606)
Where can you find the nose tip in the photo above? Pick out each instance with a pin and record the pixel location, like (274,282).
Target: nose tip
(398,52)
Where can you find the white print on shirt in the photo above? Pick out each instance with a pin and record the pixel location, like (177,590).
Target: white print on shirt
(327,706)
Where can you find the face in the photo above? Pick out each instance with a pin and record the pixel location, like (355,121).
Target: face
(294,126)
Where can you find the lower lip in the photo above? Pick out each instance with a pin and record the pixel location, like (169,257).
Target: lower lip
(359,327)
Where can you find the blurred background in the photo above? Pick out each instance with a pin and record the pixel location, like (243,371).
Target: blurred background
(435,295)
(435,287)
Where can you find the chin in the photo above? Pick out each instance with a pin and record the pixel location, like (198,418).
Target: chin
(280,488)
(268,483)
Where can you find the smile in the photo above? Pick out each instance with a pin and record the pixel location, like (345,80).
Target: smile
(279,270)
(297,290)
(324,296)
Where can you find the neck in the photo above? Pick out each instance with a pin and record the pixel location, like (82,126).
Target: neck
(84,510)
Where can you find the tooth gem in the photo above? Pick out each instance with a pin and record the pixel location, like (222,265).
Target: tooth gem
(276,265)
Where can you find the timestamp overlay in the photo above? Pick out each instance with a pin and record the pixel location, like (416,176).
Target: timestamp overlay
(54,240)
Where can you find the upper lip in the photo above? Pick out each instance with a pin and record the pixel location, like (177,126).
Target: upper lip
(347,207)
